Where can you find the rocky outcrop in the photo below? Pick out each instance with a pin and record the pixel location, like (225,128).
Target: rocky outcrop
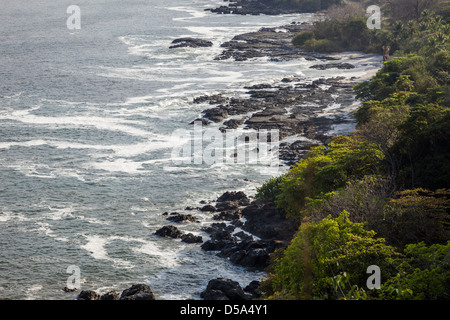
(239,246)
(333,65)
(190,42)
(138,292)
(179,217)
(169,231)
(112,295)
(274,43)
(190,238)
(292,106)
(257,7)
(135,292)
(264,221)
(224,289)
(88,295)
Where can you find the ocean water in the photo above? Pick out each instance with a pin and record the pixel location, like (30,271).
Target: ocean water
(86,135)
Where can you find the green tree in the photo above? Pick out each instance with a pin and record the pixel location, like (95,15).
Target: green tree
(424,274)
(322,255)
(325,169)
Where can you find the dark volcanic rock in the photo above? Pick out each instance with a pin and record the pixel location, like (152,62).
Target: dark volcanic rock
(228,215)
(190,238)
(208,208)
(220,231)
(257,7)
(212,99)
(333,65)
(253,289)
(311,109)
(275,43)
(88,295)
(169,231)
(227,206)
(238,196)
(178,217)
(190,42)
(138,292)
(204,122)
(216,245)
(248,253)
(232,124)
(112,295)
(264,221)
(223,289)
(215,114)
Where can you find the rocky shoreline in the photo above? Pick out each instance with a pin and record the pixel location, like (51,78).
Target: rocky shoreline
(248,231)
(256,7)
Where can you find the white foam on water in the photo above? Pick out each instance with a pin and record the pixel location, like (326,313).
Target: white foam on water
(193,13)
(45,228)
(59,213)
(163,256)
(6,216)
(117,165)
(30,143)
(98,122)
(95,246)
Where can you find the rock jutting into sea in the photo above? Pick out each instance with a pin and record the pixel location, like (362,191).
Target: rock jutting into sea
(190,42)
(293,106)
(257,7)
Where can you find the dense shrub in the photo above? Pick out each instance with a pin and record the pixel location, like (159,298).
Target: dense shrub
(325,169)
(322,254)
(424,274)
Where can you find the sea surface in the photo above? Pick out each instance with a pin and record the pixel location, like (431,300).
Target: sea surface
(87,118)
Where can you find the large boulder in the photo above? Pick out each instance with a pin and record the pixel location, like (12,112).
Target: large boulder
(88,295)
(208,208)
(233,196)
(138,292)
(190,238)
(223,289)
(339,65)
(112,295)
(215,114)
(190,42)
(253,289)
(264,221)
(179,217)
(169,231)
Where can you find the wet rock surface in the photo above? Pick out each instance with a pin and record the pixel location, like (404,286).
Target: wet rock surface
(257,7)
(135,292)
(233,238)
(293,106)
(224,289)
(190,42)
(273,43)
(169,231)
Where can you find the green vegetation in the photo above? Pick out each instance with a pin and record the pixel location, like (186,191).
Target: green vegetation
(345,28)
(379,196)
